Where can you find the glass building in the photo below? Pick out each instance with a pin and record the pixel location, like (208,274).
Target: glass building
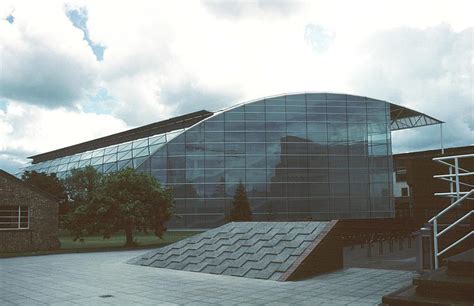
(305,156)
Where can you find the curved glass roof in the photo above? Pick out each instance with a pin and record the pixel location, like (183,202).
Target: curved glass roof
(117,151)
(107,159)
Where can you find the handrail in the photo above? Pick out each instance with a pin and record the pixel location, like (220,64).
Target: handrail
(455,243)
(453,157)
(457,194)
(455,223)
(452,205)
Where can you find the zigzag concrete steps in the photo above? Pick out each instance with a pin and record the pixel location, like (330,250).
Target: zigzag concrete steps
(264,250)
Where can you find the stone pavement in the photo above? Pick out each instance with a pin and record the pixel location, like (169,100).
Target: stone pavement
(105,278)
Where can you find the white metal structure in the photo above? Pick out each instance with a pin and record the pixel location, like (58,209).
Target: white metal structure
(459,192)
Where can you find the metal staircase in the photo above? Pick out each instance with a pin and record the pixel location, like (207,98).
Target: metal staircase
(460,193)
(452,284)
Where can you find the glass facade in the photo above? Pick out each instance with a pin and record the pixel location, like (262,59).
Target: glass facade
(308,156)
(300,157)
(108,159)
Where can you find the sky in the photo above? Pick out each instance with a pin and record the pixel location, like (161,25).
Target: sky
(72,71)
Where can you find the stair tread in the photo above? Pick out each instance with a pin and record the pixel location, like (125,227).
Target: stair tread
(441,278)
(466,257)
(408,296)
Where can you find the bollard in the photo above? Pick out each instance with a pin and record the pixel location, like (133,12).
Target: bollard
(424,249)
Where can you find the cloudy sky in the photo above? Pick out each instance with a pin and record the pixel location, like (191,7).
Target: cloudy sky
(71,71)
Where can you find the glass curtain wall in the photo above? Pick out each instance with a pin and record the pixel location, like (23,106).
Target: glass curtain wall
(108,159)
(300,157)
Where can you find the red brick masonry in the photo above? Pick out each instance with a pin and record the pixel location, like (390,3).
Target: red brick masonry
(43,231)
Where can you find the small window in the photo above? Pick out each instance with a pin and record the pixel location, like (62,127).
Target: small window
(14,217)
(404,191)
(401,175)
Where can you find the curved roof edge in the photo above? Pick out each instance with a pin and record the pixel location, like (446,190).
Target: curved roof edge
(401,118)
(160,127)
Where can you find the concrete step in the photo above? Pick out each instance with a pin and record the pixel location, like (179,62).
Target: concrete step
(408,296)
(439,284)
(461,264)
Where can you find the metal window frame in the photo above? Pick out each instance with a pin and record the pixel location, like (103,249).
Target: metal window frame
(18,219)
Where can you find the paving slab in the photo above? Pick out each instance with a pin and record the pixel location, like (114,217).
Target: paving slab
(69,279)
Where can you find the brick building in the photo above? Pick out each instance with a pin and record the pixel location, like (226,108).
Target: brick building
(415,187)
(28,217)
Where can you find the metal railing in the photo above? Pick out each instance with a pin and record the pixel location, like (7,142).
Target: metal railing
(459,192)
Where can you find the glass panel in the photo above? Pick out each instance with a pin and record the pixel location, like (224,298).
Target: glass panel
(214,161)
(214,149)
(110,167)
(194,137)
(125,146)
(275,117)
(140,143)
(255,116)
(235,161)
(234,136)
(124,155)
(214,136)
(214,175)
(233,116)
(234,148)
(255,161)
(234,175)
(234,126)
(253,175)
(255,136)
(176,176)
(255,148)
(140,152)
(176,148)
(176,162)
(156,139)
(122,164)
(214,126)
(255,126)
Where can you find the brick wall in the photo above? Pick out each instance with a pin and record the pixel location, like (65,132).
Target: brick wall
(43,231)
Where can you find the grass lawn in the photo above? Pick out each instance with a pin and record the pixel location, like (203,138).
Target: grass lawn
(142,240)
(116,243)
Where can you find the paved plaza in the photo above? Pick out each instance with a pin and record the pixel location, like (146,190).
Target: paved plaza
(105,278)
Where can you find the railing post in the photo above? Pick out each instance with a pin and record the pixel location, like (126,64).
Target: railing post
(435,242)
(451,186)
(456,171)
(441,138)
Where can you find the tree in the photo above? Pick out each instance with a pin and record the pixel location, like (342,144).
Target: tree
(48,183)
(82,184)
(126,200)
(241,207)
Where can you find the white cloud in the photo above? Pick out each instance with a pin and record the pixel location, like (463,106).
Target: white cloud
(164,58)
(429,70)
(44,59)
(27,130)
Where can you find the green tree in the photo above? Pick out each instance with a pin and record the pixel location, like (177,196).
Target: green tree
(241,207)
(82,184)
(126,200)
(50,184)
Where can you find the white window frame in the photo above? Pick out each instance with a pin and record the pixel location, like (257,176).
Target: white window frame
(18,219)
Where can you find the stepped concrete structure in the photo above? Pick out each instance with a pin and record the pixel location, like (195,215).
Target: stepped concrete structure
(449,285)
(279,251)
